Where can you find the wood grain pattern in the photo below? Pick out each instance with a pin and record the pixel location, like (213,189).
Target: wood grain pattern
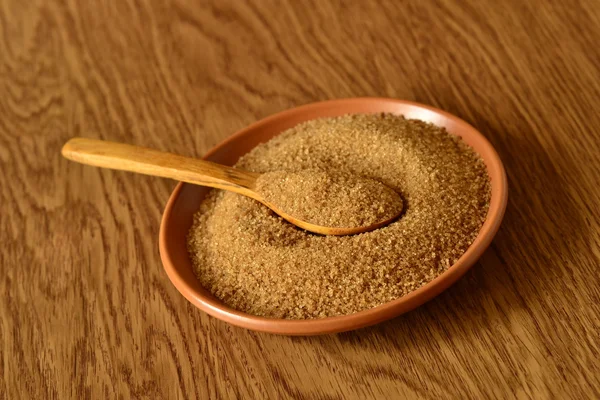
(86,310)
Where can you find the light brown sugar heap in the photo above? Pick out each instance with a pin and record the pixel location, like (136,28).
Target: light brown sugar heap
(256,262)
(333,199)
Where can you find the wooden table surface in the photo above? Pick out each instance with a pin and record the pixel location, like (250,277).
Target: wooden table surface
(86,310)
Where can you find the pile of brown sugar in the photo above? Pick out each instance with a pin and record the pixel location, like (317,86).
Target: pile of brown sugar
(330,198)
(258,263)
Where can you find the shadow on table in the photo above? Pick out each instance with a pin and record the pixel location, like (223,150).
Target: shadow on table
(540,228)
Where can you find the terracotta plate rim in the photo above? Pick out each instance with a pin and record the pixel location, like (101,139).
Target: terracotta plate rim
(374,315)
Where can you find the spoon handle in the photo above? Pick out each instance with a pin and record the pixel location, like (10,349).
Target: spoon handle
(125,157)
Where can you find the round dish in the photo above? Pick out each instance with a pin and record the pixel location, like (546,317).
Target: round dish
(186,198)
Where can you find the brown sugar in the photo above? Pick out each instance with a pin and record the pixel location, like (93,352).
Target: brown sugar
(332,199)
(256,262)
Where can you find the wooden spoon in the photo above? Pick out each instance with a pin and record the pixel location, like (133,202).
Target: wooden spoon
(146,161)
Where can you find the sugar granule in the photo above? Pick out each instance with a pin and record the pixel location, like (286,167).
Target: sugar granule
(256,262)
